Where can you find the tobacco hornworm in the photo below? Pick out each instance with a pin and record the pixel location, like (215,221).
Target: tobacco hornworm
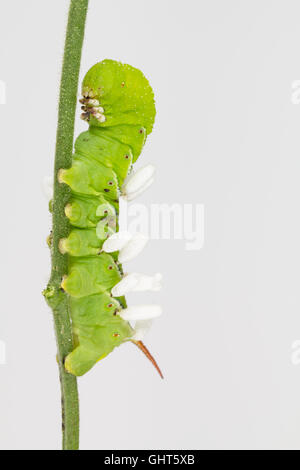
(118,104)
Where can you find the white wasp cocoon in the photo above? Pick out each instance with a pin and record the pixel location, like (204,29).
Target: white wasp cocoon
(136,282)
(141,312)
(140,191)
(116,241)
(133,248)
(138,182)
(92,102)
(141,328)
(100,117)
(48,187)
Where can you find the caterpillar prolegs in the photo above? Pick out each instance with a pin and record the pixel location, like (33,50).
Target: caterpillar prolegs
(118,104)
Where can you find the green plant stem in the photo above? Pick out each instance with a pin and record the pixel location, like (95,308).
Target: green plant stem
(55,297)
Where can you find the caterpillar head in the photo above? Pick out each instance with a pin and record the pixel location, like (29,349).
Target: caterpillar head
(116,94)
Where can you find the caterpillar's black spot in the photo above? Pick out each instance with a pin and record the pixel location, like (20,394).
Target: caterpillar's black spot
(110,267)
(126,156)
(141,131)
(116,335)
(110,305)
(106,190)
(105,212)
(110,183)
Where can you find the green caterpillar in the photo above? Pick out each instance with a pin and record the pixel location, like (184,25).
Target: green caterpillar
(118,103)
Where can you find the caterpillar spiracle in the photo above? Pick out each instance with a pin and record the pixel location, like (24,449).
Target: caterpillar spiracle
(118,104)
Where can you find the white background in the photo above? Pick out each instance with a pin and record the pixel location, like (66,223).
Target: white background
(227,135)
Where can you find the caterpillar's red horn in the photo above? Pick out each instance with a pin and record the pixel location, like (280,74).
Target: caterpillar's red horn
(147,353)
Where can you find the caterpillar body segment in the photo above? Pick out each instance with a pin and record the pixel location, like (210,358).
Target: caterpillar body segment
(125,95)
(84,211)
(118,104)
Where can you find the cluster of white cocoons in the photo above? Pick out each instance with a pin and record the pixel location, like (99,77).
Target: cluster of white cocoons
(129,246)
